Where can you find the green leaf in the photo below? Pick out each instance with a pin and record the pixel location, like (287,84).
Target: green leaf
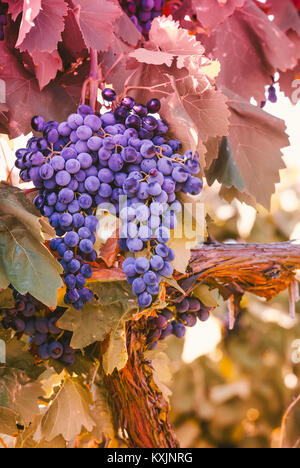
(6,299)
(19,393)
(113,304)
(18,357)
(28,265)
(224,169)
(68,413)
(24,261)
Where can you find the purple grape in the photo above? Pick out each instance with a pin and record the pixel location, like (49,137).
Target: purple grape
(109,95)
(62,178)
(153,105)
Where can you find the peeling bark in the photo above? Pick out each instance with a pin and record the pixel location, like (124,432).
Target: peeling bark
(139,408)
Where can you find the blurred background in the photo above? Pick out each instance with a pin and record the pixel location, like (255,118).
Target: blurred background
(232,389)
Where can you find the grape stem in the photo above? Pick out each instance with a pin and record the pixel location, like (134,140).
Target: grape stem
(91,84)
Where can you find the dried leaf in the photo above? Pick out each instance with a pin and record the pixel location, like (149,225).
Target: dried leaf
(68,413)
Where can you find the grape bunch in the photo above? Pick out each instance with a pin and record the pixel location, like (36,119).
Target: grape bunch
(143,12)
(272,95)
(120,160)
(3,18)
(30,317)
(174,320)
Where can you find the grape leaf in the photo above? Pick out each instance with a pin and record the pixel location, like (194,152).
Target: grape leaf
(161,365)
(116,356)
(256,139)
(96,21)
(23,96)
(168,37)
(224,168)
(68,413)
(31,9)
(8,421)
(15,7)
(24,260)
(126,30)
(168,42)
(288,80)
(26,440)
(285,15)
(46,66)
(203,293)
(113,305)
(202,112)
(110,250)
(102,414)
(248,44)
(48,26)
(19,393)
(13,201)
(210,13)
(72,40)
(190,231)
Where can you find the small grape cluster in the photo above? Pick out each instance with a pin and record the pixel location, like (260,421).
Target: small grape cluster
(143,12)
(120,160)
(272,95)
(174,320)
(3,18)
(30,317)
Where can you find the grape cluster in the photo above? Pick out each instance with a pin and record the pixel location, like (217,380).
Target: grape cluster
(30,317)
(143,12)
(3,18)
(174,320)
(272,95)
(122,161)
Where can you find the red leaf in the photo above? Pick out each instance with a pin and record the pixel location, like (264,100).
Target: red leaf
(15,7)
(31,10)
(211,13)
(23,97)
(108,274)
(49,25)
(289,80)
(47,65)
(256,139)
(110,251)
(196,115)
(285,15)
(96,19)
(250,48)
